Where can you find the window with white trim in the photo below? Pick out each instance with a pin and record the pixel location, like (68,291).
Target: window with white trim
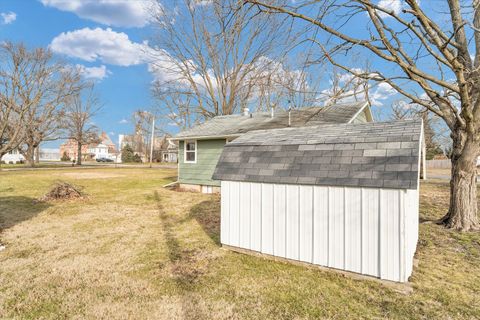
(190,152)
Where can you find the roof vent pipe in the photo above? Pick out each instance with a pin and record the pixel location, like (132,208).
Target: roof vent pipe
(246,112)
(289,113)
(272,110)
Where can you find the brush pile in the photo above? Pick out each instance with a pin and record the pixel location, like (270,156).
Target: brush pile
(63,191)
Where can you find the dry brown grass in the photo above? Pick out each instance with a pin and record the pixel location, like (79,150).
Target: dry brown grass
(136,251)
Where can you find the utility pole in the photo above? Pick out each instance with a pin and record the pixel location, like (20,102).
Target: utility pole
(153,138)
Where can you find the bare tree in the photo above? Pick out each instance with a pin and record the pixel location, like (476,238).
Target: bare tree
(15,100)
(78,118)
(207,57)
(46,85)
(422,57)
(143,129)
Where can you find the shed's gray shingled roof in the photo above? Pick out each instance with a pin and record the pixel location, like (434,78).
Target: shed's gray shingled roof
(378,154)
(234,125)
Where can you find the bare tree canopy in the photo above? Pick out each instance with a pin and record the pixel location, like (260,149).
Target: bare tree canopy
(45,87)
(15,97)
(78,118)
(433,65)
(215,59)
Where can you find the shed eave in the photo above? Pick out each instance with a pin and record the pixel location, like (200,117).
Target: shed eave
(205,137)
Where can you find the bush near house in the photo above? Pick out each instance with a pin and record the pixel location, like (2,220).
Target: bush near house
(65,157)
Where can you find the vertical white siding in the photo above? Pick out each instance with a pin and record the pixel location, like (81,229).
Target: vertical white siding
(370,231)
(267,218)
(244,215)
(364,230)
(279,209)
(306,224)
(255,216)
(353,230)
(234,219)
(293,220)
(336,228)
(389,234)
(320,225)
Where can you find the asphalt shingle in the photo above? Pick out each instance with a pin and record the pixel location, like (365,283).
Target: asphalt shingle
(237,124)
(322,155)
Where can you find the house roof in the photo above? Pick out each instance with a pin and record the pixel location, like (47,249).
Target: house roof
(237,124)
(105,139)
(378,154)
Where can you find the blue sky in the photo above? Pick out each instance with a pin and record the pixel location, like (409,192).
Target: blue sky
(122,83)
(106,40)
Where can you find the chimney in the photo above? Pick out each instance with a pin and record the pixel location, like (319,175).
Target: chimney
(289,113)
(246,112)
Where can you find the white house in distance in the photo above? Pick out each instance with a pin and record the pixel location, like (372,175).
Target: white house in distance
(13,157)
(344,196)
(99,151)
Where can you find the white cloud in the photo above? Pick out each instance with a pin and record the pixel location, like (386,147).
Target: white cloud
(123,121)
(93,72)
(100,44)
(8,17)
(203,2)
(382,92)
(391,5)
(116,48)
(120,13)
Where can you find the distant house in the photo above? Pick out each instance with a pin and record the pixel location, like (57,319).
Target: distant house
(13,157)
(170,153)
(105,148)
(200,147)
(165,150)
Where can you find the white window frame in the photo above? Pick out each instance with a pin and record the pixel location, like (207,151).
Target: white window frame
(185,151)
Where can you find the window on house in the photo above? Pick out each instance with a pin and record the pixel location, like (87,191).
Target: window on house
(191,151)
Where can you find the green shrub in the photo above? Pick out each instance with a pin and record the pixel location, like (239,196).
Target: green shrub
(127,154)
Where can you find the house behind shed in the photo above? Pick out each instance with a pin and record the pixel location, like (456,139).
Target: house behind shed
(344,196)
(201,146)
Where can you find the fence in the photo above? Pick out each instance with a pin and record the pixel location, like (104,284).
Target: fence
(439,164)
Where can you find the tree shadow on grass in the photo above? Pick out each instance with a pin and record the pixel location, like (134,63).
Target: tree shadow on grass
(183,263)
(207,214)
(16,209)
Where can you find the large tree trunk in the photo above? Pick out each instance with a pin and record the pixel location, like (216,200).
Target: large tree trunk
(37,155)
(30,155)
(462,213)
(79,153)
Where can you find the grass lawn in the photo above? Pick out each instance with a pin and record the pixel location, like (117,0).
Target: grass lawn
(135,250)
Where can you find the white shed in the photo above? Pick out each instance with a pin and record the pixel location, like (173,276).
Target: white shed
(341,196)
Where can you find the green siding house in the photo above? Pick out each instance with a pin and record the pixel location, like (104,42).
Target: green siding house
(200,147)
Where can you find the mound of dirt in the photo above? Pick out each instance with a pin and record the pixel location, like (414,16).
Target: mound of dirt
(63,191)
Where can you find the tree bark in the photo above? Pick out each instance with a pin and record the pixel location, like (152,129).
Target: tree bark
(37,155)
(30,156)
(79,153)
(462,212)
